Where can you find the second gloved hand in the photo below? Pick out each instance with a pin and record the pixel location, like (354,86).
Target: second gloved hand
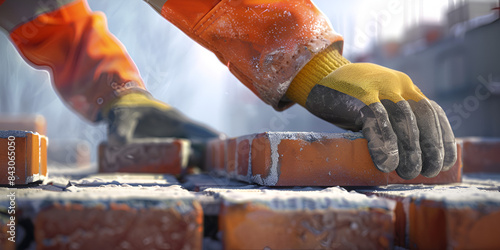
(137,115)
(406,132)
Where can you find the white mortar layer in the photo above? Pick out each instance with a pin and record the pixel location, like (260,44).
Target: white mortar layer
(486,179)
(273,176)
(33,178)
(184,153)
(120,178)
(275,138)
(450,196)
(302,198)
(32,200)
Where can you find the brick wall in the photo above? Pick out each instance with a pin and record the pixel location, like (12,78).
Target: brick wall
(131,211)
(213,211)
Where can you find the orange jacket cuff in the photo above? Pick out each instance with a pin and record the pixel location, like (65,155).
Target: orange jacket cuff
(318,68)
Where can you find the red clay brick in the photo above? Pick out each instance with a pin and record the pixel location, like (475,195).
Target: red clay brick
(168,156)
(231,157)
(216,156)
(238,157)
(445,217)
(112,217)
(30,157)
(481,155)
(303,219)
(308,159)
(243,156)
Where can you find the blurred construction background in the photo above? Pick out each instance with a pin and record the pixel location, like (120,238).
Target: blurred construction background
(450,48)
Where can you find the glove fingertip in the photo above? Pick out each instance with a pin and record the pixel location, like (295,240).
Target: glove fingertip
(450,156)
(385,161)
(410,165)
(432,162)
(382,141)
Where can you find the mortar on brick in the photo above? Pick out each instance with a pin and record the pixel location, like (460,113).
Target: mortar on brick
(128,179)
(303,198)
(456,213)
(275,218)
(489,181)
(44,207)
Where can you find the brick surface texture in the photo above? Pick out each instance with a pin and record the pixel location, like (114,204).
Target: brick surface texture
(146,211)
(113,217)
(165,156)
(303,219)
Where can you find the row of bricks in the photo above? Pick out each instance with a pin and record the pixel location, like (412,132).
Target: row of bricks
(26,152)
(479,154)
(147,212)
(169,217)
(107,217)
(307,159)
(23,157)
(148,156)
(276,159)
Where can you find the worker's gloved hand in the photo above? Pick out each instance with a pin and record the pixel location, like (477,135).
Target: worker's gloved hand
(136,115)
(406,132)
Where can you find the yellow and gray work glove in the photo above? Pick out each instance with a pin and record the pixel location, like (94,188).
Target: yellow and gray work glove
(137,115)
(406,131)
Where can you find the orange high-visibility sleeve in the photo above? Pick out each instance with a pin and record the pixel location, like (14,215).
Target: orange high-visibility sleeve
(88,65)
(264,43)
